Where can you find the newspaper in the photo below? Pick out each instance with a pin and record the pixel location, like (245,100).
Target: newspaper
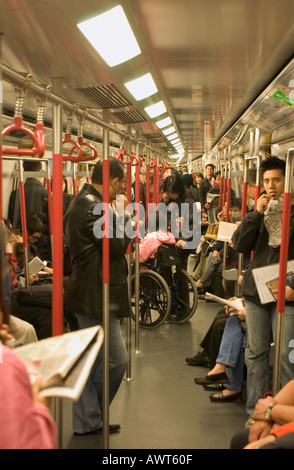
(64,362)
(266,280)
(236,304)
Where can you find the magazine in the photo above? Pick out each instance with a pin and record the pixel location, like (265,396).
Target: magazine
(63,361)
(266,280)
(236,304)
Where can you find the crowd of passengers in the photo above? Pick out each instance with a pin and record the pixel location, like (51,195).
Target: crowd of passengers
(257,237)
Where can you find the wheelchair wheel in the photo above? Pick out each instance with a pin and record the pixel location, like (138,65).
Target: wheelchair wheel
(183,309)
(154,299)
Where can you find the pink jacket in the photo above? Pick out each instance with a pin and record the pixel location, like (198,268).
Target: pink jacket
(24,424)
(151,242)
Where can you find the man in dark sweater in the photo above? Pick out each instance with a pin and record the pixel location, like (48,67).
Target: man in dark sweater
(260,231)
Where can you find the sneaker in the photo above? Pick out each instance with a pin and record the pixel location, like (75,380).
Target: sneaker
(200,359)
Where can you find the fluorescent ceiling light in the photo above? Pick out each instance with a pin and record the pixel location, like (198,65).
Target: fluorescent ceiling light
(169,130)
(142,87)
(163,123)
(178,145)
(156,109)
(111,35)
(173,136)
(175,141)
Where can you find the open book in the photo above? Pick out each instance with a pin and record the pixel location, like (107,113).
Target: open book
(63,361)
(225,231)
(35,265)
(236,304)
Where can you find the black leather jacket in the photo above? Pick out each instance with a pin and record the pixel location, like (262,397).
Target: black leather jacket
(85,292)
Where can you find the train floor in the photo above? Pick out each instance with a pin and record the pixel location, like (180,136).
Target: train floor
(161,407)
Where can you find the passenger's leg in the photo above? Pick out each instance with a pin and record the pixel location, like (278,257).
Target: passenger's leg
(87,411)
(258,321)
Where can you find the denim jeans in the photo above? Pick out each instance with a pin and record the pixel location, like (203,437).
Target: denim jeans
(260,320)
(231,352)
(87,411)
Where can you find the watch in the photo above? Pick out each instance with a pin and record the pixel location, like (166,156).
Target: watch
(268,412)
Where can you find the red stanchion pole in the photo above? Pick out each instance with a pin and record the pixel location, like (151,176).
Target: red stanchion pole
(57,258)
(105,241)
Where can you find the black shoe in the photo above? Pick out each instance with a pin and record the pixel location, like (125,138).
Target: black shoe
(214,387)
(200,359)
(212,379)
(112,429)
(219,396)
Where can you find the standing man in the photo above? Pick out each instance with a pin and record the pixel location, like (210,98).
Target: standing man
(85,292)
(260,231)
(206,184)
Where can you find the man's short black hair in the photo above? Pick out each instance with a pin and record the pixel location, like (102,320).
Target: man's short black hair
(34,224)
(116,170)
(273,163)
(31,165)
(209,164)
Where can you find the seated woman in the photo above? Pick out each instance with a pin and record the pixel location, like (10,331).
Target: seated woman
(25,422)
(229,367)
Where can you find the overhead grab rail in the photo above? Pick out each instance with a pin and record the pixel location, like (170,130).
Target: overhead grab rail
(19,126)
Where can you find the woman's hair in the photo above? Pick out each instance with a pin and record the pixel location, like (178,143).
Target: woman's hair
(199,174)
(173,184)
(3,272)
(65,182)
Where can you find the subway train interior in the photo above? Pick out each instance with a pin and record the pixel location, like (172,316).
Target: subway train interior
(199,82)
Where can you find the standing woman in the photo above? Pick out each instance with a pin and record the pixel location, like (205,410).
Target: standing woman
(180,204)
(195,187)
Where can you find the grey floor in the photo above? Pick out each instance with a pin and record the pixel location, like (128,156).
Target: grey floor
(161,407)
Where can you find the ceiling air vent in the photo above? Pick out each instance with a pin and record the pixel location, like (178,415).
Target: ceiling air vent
(105,96)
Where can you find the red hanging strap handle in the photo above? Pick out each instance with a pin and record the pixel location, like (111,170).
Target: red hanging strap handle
(82,143)
(40,122)
(19,126)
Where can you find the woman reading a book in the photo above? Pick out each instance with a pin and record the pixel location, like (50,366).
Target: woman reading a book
(25,421)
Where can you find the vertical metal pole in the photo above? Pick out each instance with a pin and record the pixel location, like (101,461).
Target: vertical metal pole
(57,235)
(283,270)
(129,261)
(137,265)
(23,221)
(106,286)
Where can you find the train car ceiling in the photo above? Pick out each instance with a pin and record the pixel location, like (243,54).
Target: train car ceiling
(211,62)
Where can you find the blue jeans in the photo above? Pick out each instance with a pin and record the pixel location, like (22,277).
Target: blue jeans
(87,411)
(260,320)
(231,352)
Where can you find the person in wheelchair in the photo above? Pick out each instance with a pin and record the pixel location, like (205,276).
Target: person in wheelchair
(157,234)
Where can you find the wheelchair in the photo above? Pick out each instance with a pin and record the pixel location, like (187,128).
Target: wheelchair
(166,291)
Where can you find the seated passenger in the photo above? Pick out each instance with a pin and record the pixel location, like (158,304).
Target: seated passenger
(229,368)
(270,414)
(154,238)
(35,229)
(25,421)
